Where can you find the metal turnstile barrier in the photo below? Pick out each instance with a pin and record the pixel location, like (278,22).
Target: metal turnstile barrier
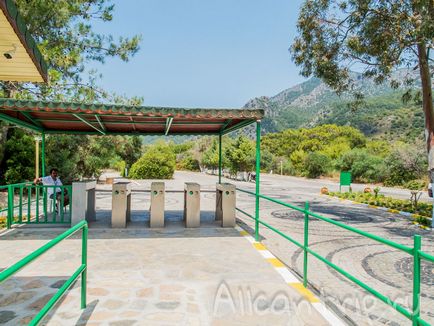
(156,210)
(121,204)
(192,205)
(83,202)
(225,204)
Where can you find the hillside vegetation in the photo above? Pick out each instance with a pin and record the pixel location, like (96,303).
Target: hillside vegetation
(312,103)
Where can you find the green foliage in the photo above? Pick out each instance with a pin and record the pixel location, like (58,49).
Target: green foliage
(405,163)
(316,164)
(416,185)
(241,155)
(362,165)
(423,210)
(19,157)
(158,162)
(68,41)
(210,157)
(376,35)
(187,162)
(129,149)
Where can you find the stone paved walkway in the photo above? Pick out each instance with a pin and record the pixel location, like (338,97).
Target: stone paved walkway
(139,276)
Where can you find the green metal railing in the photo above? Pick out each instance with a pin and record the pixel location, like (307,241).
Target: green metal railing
(415,251)
(81,271)
(31,204)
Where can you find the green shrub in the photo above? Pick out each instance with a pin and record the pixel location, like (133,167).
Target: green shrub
(188,163)
(423,209)
(404,164)
(363,166)
(158,162)
(416,185)
(316,164)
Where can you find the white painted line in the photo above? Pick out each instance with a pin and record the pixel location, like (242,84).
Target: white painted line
(327,314)
(287,275)
(266,254)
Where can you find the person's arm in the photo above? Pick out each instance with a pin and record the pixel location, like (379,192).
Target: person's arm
(37,181)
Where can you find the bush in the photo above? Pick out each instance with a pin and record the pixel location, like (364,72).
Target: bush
(416,185)
(316,164)
(363,166)
(188,163)
(404,164)
(158,162)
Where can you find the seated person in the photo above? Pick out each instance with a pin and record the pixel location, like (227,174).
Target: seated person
(53,180)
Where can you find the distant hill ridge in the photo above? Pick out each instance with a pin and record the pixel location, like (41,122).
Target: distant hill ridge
(312,103)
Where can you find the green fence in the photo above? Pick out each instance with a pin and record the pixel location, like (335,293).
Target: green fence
(81,271)
(415,251)
(31,204)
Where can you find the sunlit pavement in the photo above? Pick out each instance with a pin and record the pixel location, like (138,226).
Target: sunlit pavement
(138,276)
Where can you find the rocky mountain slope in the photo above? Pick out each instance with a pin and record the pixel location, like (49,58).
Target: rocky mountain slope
(312,103)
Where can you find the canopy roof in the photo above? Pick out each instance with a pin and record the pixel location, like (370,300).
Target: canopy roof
(110,119)
(24,62)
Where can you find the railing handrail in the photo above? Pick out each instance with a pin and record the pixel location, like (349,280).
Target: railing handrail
(16,184)
(82,269)
(415,251)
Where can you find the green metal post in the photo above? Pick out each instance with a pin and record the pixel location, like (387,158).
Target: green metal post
(37,191)
(44,190)
(29,202)
(258,172)
(10,207)
(220,158)
(84,262)
(20,207)
(416,279)
(306,242)
(43,154)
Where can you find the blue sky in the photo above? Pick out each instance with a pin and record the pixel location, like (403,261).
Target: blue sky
(203,53)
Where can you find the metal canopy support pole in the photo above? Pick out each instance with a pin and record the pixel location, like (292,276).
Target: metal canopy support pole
(43,154)
(89,124)
(169,121)
(220,158)
(258,172)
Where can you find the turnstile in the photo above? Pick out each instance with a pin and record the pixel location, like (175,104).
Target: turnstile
(83,201)
(156,211)
(121,204)
(225,204)
(192,204)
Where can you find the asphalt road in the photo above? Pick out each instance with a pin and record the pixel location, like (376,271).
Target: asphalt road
(383,268)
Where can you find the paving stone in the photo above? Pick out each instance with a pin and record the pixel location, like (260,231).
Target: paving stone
(6,316)
(170,305)
(113,304)
(40,303)
(123,323)
(58,284)
(34,284)
(145,292)
(16,298)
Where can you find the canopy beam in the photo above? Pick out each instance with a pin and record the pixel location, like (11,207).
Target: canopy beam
(19,123)
(97,117)
(31,119)
(169,121)
(89,124)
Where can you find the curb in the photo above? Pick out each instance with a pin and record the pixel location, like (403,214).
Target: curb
(291,279)
(389,210)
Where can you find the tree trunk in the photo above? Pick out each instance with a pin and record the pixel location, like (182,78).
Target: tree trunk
(427,104)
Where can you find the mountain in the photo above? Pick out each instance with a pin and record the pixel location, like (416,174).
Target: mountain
(312,103)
